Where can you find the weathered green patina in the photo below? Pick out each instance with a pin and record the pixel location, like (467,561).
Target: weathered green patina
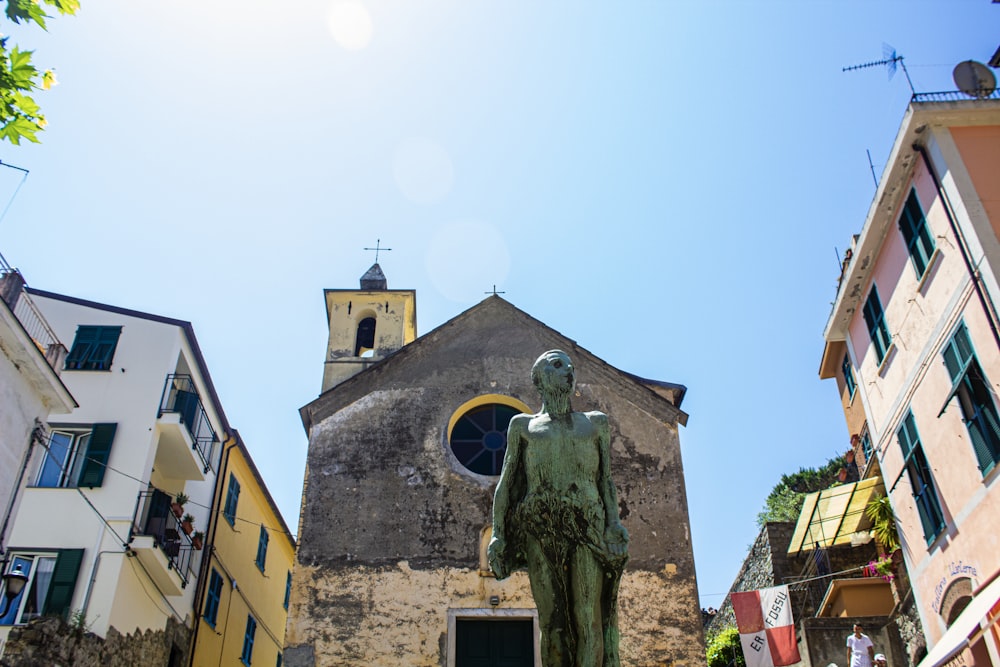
(555,512)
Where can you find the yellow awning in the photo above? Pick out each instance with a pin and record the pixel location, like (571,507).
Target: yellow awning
(831,516)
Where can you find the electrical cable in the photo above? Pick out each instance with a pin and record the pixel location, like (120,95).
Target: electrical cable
(16,190)
(169,493)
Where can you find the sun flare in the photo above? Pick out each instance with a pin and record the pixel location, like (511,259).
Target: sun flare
(351,25)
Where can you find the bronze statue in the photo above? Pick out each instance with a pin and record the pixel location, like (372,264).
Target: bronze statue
(555,511)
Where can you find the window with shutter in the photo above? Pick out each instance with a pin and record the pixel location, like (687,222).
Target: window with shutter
(921,481)
(975,398)
(247,655)
(212,598)
(232,500)
(93,348)
(878,330)
(63,583)
(96,458)
(919,241)
(77,456)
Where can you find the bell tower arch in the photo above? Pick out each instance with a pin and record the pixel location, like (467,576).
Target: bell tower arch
(366,325)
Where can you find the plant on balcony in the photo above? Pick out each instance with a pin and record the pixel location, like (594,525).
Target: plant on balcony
(883,567)
(883,523)
(187,524)
(177,507)
(197,539)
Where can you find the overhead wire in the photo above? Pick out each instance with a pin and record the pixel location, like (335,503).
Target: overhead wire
(149,484)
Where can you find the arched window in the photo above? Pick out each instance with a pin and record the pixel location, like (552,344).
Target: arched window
(365,341)
(479,438)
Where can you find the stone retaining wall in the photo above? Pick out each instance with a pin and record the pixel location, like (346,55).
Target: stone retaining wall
(50,641)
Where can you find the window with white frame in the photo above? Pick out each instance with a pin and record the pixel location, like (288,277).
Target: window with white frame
(76,456)
(50,586)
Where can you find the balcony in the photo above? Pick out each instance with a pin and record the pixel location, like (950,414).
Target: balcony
(159,542)
(187,442)
(14,295)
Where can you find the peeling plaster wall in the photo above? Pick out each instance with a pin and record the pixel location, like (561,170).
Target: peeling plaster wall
(391,523)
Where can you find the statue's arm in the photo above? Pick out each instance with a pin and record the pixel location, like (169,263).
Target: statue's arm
(501,498)
(614,532)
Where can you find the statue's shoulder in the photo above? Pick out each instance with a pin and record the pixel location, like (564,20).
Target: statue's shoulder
(519,422)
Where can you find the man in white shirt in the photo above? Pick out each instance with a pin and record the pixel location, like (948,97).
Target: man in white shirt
(860,650)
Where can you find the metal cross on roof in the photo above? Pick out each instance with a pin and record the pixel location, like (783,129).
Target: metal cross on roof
(494,292)
(378,248)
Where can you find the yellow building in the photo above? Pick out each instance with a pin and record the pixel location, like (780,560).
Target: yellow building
(243,589)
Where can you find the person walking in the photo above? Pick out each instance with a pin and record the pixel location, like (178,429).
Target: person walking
(860,650)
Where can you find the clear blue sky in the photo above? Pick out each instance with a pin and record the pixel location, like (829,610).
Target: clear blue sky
(664,182)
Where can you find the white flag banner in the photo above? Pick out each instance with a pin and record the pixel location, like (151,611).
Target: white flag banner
(767,631)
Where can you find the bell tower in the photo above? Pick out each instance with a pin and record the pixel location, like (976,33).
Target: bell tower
(366,325)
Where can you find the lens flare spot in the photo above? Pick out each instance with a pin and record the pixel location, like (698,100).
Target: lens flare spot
(351,25)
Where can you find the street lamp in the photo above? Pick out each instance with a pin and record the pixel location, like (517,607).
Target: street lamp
(13,584)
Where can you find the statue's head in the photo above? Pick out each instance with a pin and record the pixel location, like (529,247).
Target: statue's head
(553,373)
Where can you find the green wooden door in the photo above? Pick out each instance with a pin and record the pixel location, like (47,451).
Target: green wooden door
(494,643)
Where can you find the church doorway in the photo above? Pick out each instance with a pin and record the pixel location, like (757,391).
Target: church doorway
(491,637)
(494,643)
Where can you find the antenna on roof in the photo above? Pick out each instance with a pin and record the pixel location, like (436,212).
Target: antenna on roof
(889,60)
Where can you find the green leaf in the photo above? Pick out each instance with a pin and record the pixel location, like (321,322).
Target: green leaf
(20,128)
(27,11)
(26,104)
(65,6)
(22,71)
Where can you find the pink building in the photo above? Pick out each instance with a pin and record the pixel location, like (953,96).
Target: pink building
(914,342)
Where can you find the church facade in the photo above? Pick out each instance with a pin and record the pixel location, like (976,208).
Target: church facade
(404,454)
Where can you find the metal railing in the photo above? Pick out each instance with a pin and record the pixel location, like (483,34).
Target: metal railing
(154,518)
(13,293)
(955,96)
(180,396)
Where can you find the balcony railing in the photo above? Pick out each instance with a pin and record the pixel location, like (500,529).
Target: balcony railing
(13,293)
(154,518)
(180,396)
(956,96)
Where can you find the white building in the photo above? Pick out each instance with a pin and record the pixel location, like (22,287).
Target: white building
(95,531)
(31,359)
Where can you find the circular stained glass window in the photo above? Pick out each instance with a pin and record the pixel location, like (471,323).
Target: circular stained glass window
(479,437)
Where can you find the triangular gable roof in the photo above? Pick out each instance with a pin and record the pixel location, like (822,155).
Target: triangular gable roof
(483,318)
(186,327)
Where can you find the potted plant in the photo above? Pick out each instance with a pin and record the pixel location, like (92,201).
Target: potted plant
(187,524)
(197,539)
(177,507)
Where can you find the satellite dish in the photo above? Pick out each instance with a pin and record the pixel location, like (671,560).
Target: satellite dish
(974,79)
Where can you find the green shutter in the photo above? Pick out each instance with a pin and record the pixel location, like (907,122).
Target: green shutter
(86,339)
(984,431)
(63,583)
(104,352)
(98,451)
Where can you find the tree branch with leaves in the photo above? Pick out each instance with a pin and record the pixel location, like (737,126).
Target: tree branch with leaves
(20,115)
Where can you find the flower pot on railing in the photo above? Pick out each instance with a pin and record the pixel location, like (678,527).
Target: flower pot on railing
(187,524)
(197,540)
(177,506)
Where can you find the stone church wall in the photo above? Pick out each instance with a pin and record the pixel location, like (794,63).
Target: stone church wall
(391,532)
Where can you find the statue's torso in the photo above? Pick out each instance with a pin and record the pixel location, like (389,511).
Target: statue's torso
(562,456)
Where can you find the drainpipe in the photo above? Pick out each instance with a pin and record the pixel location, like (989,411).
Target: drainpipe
(209,547)
(93,576)
(984,299)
